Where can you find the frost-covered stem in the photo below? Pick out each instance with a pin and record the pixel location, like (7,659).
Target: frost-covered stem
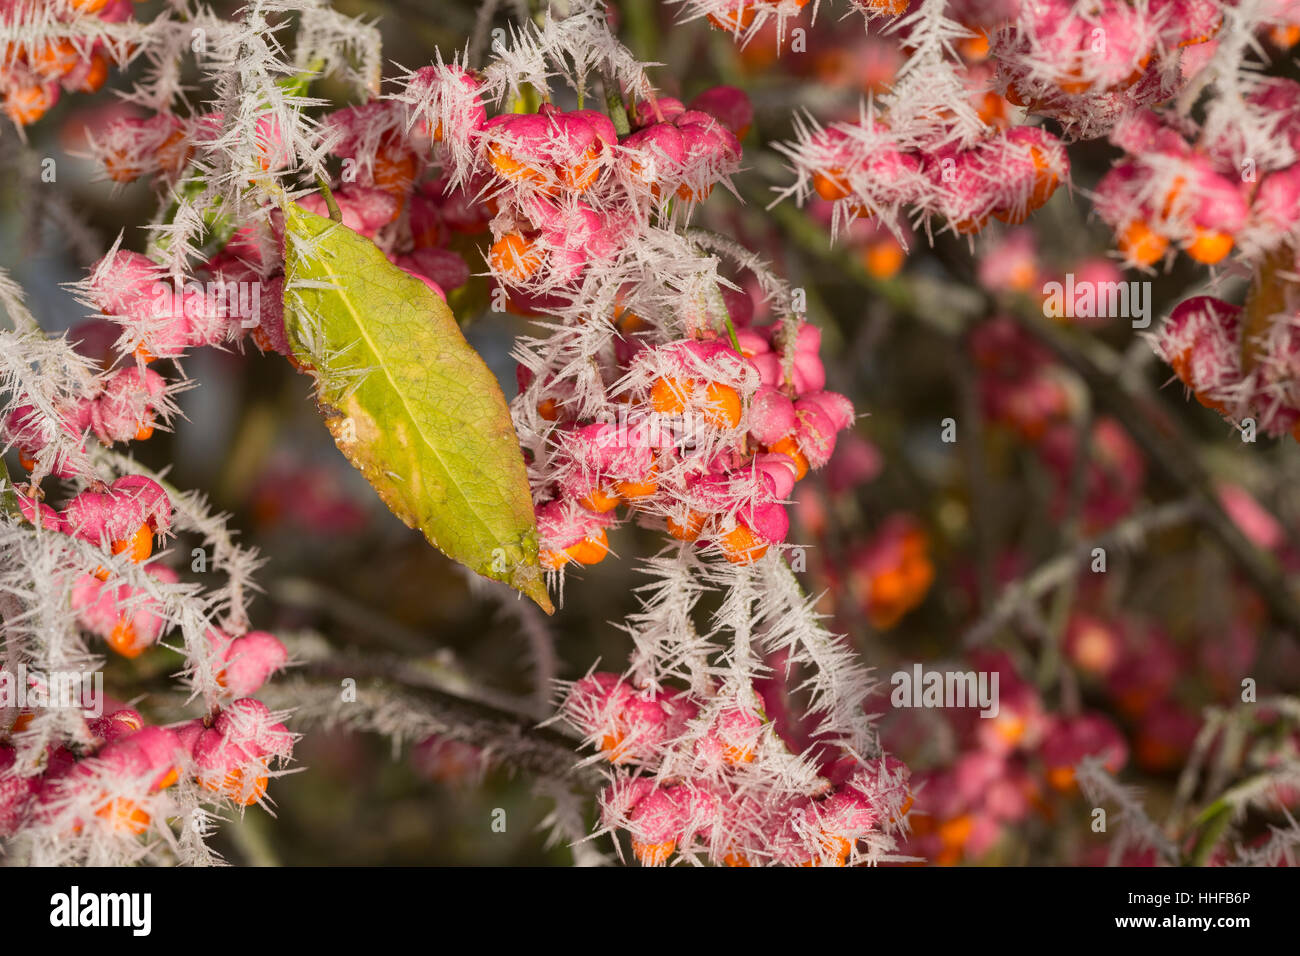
(511,738)
(566,823)
(1278,849)
(1129,533)
(614,106)
(1168,451)
(330,202)
(1187,779)
(1099,786)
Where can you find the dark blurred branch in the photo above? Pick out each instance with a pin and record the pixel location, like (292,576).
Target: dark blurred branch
(1056,572)
(514,738)
(972,443)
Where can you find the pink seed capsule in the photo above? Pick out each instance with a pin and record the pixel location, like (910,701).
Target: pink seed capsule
(771,415)
(120,283)
(250,661)
(449,96)
(729,106)
(120,723)
(364,209)
(149,496)
(738,731)
(833,405)
(159,747)
(655,154)
(188,734)
(244,720)
(780,472)
(656,825)
(125,409)
(663,109)
(815,434)
(42,514)
(768,520)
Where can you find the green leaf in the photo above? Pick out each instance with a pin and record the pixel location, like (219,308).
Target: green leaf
(409,403)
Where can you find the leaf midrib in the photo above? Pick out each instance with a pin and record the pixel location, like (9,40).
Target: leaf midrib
(402,397)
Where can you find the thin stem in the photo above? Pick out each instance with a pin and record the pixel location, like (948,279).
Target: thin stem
(533,749)
(330,203)
(615,108)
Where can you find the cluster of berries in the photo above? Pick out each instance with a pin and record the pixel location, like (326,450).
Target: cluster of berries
(125,406)
(1239,362)
(232,754)
(161,145)
(561,188)
(709,811)
(118,778)
(1166,190)
(710,439)
(240,289)
(868,171)
(1088,65)
(33,75)
(122,517)
(568,191)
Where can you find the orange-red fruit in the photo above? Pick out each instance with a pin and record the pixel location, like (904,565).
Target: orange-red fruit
(668,395)
(883,259)
(1061,778)
(233,787)
(124,639)
(590,550)
(54,58)
(689,529)
(509,167)
(600,500)
(26,104)
(723,408)
(585,170)
(1141,244)
(644,488)
(830,185)
(654,854)
(394,172)
(1209,246)
(123,814)
(733,20)
(789,447)
(742,546)
(514,257)
(138,547)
